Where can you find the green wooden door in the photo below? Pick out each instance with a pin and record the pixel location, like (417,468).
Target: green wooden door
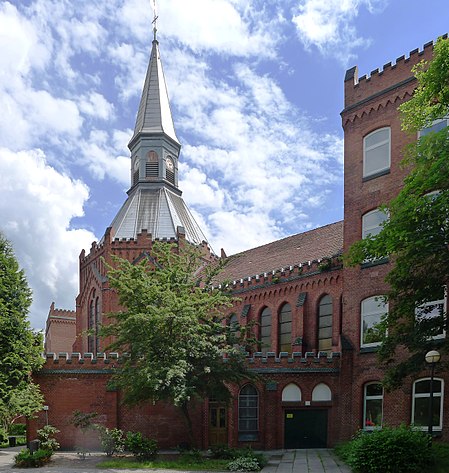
(305,428)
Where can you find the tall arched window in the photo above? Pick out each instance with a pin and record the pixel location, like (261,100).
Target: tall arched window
(97,325)
(248,413)
(421,404)
(325,323)
(265,330)
(285,328)
(373,398)
(91,325)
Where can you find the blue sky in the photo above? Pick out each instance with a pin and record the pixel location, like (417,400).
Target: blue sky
(256,90)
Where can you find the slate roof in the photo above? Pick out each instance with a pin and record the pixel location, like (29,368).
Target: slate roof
(308,246)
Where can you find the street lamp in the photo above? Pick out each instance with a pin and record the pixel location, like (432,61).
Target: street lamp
(432,357)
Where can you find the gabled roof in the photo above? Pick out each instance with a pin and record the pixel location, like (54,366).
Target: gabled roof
(154,115)
(160,212)
(315,244)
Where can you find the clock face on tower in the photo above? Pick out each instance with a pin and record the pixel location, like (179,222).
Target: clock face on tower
(169,164)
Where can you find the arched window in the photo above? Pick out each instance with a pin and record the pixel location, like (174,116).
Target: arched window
(285,328)
(372,222)
(91,325)
(421,404)
(265,330)
(321,392)
(325,323)
(152,165)
(373,309)
(248,413)
(97,325)
(373,397)
(291,393)
(376,152)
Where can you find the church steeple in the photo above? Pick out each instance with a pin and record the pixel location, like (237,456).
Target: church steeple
(154,199)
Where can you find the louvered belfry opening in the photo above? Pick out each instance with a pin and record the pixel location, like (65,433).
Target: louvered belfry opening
(152,166)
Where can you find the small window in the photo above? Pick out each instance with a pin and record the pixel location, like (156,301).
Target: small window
(436,126)
(248,413)
(376,152)
(373,406)
(421,404)
(321,392)
(325,323)
(372,222)
(291,393)
(373,309)
(265,330)
(285,328)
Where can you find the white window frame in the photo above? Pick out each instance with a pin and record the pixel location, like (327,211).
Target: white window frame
(372,398)
(364,314)
(435,122)
(369,148)
(439,394)
(366,231)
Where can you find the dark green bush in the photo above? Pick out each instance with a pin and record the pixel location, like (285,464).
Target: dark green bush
(390,450)
(141,447)
(223,452)
(26,459)
(17,429)
(192,456)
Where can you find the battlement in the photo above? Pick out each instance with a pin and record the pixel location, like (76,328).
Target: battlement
(260,362)
(287,274)
(391,75)
(61,313)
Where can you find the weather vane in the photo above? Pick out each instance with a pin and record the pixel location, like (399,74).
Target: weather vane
(155,17)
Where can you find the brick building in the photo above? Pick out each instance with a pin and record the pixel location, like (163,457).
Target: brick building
(319,381)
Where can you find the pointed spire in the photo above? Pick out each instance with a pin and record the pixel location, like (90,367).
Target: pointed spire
(154,115)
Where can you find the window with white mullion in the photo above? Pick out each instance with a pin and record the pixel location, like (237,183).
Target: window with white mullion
(421,404)
(376,152)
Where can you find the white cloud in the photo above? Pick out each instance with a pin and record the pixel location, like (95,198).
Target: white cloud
(328,25)
(96,105)
(37,206)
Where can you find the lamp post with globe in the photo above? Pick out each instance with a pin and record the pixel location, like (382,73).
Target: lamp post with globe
(432,357)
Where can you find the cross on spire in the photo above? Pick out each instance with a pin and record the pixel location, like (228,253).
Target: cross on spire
(154,22)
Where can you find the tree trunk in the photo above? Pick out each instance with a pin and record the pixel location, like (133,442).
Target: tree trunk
(185,411)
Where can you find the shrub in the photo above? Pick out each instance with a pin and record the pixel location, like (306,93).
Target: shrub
(3,435)
(17,429)
(192,456)
(26,459)
(112,440)
(223,452)
(45,436)
(141,447)
(390,450)
(244,464)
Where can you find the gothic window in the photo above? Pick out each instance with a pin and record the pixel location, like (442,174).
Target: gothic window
(248,413)
(373,396)
(325,323)
(291,393)
(97,325)
(321,392)
(152,166)
(421,404)
(373,309)
(265,330)
(91,326)
(285,328)
(376,152)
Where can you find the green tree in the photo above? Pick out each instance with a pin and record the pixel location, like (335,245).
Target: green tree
(415,238)
(173,329)
(20,347)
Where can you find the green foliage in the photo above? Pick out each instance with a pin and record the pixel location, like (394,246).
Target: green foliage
(112,440)
(173,329)
(83,420)
(46,438)
(192,455)
(244,464)
(416,236)
(17,429)
(20,347)
(223,452)
(141,447)
(26,459)
(388,450)
(3,435)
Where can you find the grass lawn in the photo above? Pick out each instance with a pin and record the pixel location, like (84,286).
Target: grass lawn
(207,464)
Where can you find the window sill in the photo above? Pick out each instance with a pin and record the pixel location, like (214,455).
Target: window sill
(377,262)
(249,437)
(375,175)
(369,349)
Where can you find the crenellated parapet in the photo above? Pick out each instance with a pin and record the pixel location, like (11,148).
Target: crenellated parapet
(392,76)
(269,362)
(288,274)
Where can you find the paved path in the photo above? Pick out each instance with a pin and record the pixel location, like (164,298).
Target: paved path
(280,461)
